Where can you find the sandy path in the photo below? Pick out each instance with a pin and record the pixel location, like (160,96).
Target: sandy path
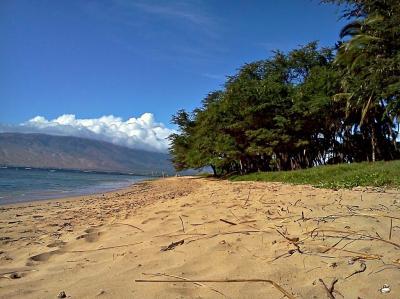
(97,246)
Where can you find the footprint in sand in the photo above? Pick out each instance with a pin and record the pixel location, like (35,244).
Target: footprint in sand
(15,273)
(43,257)
(91,230)
(92,235)
(57,243)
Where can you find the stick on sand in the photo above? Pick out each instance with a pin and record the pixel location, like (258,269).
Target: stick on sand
(277,286)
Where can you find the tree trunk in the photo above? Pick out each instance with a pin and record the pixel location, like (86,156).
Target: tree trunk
(241,166)
(214,170)
(394,137)
(373,142)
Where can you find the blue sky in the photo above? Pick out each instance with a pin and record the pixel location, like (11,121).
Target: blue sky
(126,58)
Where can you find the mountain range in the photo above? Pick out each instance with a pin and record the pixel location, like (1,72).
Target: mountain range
(66,152)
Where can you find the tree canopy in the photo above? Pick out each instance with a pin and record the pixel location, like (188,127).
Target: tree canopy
(307,107)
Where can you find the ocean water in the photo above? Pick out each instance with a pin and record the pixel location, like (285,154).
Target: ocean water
(21,185)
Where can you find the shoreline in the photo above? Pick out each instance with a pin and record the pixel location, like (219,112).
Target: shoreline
(18,186)
(73,170)
(202,229)
(111,193)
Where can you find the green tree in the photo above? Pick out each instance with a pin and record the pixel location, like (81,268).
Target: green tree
(371,70)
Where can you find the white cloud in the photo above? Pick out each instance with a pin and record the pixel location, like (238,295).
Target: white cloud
(176,10)
(140,133)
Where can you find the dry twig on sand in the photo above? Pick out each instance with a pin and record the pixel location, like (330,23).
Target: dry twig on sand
(246,232)
(362,269)
(329,291)
(359,255)
(293,241)
(185,279)
(273,283)
(337,243)
(367,237)
(183,227)
(248,197)
(173,245)
(129,225)
(98,249)
(170,235)
(226,221)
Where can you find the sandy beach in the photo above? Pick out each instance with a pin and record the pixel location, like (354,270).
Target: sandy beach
(212,238)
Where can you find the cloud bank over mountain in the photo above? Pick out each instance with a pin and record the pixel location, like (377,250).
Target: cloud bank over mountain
(139,133)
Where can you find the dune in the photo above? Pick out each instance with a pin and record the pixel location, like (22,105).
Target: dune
(193,237)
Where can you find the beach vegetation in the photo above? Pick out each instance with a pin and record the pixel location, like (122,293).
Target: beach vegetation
(378,174)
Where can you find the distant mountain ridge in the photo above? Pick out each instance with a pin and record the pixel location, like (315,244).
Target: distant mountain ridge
(66,152)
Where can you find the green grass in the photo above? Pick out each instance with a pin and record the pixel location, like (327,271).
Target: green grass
(378,174)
